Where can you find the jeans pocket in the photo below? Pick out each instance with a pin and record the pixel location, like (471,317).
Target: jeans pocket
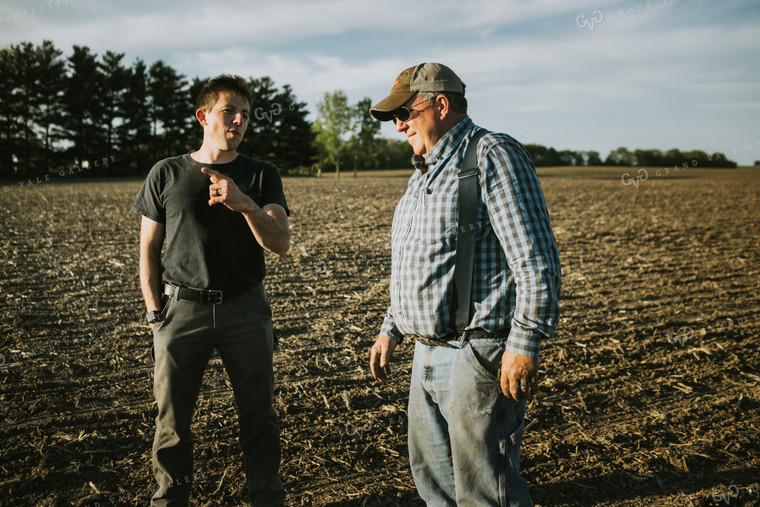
(163,315)
(485,356)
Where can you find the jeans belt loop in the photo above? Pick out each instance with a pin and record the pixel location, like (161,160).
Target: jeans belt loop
(465,337)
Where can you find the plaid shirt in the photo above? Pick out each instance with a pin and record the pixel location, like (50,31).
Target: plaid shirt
(516,276)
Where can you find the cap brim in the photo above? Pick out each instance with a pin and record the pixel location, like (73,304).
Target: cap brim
(383,110)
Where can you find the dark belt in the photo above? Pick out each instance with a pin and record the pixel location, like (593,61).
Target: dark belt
(473,334)
(202,296)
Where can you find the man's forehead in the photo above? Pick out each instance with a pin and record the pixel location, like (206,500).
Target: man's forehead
(233,99)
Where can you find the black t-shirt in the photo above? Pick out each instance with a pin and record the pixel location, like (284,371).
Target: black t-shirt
(208,247)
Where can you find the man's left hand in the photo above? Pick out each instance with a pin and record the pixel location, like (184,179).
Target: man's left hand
(223,190)
(519,376)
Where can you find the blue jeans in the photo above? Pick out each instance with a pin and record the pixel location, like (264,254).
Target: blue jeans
(464,434)
(241,330)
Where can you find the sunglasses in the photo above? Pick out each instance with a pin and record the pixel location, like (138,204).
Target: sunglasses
(403,113)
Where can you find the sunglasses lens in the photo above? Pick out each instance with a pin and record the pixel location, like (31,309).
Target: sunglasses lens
(402,113)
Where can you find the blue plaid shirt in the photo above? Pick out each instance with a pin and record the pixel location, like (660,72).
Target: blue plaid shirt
(516,276)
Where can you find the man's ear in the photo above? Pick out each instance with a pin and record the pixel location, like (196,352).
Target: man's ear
(201,115)
(442,103)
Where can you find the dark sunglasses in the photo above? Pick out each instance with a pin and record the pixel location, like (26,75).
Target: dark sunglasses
(403,113)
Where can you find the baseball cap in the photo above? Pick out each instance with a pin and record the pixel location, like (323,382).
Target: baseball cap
(425,77)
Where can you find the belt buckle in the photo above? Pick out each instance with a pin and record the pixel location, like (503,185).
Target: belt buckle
(214,297)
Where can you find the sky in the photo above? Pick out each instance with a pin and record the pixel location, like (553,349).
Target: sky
(581,75)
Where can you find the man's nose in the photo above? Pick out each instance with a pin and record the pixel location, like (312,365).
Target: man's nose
(400,125)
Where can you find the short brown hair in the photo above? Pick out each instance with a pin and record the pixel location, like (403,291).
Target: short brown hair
(209,95)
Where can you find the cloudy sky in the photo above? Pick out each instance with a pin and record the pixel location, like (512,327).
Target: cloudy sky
(581,75)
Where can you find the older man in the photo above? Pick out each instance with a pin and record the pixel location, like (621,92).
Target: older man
(470,382)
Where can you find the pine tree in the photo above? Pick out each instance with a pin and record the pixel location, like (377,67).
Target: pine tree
(47,96)
(114,88)
(134,134)
(169,109)
(83,108)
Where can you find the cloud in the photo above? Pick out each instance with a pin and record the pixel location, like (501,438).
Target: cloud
(660,73)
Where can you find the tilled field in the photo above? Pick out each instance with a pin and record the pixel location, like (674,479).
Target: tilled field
(650,387)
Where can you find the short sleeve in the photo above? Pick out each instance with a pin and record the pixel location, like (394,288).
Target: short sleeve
(272,192)
(149,201)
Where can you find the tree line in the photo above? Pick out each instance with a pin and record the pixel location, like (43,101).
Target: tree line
(543,156)
(87,111)
(84,111)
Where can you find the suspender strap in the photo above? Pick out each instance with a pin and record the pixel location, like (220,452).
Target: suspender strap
(466,231)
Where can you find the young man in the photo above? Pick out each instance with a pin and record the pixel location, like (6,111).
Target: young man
(469,384)
(218,210)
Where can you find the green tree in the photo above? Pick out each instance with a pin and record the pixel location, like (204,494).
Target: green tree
(593,158)
(47,97)
(8,111)
(31,92)
(648,157)
(620,156)
(170,110)
(332,126)
(11,110)
(261,139)
(295,140)
(134,133)
(24,142)
(672,157)
(83,110)
(364,147)
(115,83)
(543,156)
(193,134)
(395,154)
(569,157)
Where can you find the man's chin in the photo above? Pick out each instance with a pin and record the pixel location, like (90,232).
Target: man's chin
(231,146)
(417,150)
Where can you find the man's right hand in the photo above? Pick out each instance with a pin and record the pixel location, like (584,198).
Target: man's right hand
(379,357)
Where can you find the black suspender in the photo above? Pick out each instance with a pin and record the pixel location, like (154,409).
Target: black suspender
(466,232)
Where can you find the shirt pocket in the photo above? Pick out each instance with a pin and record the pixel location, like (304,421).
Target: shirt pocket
(435,219)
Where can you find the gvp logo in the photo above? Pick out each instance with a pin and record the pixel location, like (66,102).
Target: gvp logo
(682,338)
(733,492)
(260,113)
(596,17)
(627,179)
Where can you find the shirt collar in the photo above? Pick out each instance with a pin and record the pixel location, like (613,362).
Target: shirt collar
(449,142)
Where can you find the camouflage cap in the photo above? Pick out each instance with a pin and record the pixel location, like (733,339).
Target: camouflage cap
(425,77)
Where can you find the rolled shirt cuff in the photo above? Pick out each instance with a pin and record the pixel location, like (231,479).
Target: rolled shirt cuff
(389,329)
(524,342)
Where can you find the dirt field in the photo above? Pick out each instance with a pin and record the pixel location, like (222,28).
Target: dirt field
(650,388)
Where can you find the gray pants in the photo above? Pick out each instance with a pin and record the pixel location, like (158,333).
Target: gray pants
(241,330)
